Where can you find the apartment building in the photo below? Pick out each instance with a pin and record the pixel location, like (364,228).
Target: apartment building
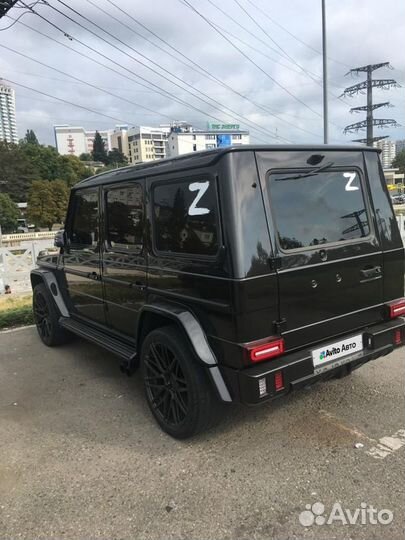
(388,152)
(8,126)
(75,140)
(147,143)
(184,140)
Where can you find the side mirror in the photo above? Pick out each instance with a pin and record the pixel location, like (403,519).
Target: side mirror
(59,239)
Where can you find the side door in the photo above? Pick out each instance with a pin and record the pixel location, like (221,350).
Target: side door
(124,255)
(81,256)
(330,263)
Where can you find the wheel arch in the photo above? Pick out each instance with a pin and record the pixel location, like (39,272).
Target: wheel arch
(48,278)
(153,316)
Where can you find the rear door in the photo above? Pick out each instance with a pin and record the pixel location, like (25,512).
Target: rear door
(330,263)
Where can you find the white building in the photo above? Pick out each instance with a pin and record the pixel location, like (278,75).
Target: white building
(182,141)
(119,139)
(388,153)
(75,140)
(8,127)
(147,143)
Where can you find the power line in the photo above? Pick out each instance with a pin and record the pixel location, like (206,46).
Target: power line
(81,81)
(293,35)
(68,102)
(273,135)
(202,69)
(155,88)
(250,60)
(245,11)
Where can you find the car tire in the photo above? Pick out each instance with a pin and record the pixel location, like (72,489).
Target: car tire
(46,318)
(176,386)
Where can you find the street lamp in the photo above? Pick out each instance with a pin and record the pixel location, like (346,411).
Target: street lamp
(325,76)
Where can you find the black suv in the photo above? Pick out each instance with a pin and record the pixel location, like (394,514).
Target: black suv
(236,274)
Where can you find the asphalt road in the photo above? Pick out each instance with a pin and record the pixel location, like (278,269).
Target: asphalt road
(81,457)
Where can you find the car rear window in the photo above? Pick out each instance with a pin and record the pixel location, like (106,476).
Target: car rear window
(312,209)
(186,217)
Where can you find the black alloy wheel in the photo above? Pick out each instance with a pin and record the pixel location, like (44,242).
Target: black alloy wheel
(177,388)
(46,317)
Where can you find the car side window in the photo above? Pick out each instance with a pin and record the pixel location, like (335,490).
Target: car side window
(124,218)
(185,214)
(84,229)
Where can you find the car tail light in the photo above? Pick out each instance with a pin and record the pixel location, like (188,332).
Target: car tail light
(278,381)
(265,351)
(396,308)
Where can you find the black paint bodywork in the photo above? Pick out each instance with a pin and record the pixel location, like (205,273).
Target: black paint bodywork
(251,290)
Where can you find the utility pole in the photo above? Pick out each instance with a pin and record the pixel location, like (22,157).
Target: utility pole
(368,85)
(325,75)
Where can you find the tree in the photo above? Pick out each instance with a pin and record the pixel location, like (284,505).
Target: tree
(30,137)
(16,171)
(399,161)
(71,169)
(99,152)
(116,157)
(85,157)
(60,193)
(9,213)
(47,202)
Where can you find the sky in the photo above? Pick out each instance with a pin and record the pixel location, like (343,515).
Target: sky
(272,85)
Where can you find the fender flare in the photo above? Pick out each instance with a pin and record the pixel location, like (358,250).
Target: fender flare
(49,280)
(197,339)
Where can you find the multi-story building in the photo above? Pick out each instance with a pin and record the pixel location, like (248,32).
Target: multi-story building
(119,139)
(147,143)
(8,127)
(399,146)
(75,140)
(388,153)
(186,139)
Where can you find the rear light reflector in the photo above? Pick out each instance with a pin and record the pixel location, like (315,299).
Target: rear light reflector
(278,381)
(267,350)
(397,308)
(398,337)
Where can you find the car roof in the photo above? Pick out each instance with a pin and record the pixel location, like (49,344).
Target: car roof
(202,159)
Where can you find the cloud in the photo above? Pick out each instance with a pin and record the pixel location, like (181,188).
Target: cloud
(358,33)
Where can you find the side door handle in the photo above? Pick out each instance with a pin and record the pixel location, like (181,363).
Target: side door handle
(139,285)
(93,275)
(371,272)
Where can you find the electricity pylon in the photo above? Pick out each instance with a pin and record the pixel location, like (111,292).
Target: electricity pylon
(368,86)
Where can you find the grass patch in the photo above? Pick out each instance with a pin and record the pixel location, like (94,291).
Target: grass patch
(15,311)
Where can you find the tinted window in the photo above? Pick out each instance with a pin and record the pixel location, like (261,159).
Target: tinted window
(185,217)
(84,229)
(124,218)
(317,209)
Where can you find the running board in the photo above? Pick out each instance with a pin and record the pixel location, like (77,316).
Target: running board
(99,338)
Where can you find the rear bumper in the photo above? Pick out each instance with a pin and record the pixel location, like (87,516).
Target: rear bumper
(297,367)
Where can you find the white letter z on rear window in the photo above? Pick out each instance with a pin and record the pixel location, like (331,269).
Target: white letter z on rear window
(351,176)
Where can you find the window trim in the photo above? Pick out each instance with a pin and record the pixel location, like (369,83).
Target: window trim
(176,254)
(70,219)
(108,248)
(299,170)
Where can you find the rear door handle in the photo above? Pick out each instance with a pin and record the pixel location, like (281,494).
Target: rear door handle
(371,272)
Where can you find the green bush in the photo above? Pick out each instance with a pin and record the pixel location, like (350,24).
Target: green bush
(18,316)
